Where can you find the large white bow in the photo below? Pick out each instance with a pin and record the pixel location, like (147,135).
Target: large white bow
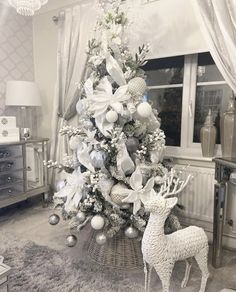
(139,193)
(73,190)
(103,98)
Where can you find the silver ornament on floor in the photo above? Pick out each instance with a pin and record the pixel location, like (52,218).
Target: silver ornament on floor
(132,144)
(81,216)
(71,240)
(144,110)
(53,219)
(131,232)
(137,86)
(98,158)
(97,222)
(101,238)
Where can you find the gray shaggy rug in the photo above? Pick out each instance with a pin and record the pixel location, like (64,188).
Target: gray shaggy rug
(40,269)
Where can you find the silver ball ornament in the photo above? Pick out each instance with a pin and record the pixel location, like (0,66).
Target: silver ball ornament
(144,110)
(97,222)
(101,238)
(137,86)
(98,158)
(59,185)
(111,116)
(132,144)
(53,219)
(131,232)
(71,240)
(81,216)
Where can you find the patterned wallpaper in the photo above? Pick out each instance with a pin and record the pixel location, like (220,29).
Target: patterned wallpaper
(16,50)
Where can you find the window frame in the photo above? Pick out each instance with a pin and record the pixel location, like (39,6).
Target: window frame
(187,147)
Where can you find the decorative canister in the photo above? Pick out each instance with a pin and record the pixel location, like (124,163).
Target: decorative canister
(228,129)
(208,136)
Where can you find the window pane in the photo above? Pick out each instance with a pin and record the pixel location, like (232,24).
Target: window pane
(214,97)
(165,71)
(207,70)
(168,103)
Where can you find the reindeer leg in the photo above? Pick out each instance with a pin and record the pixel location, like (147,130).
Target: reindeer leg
(187,273)
(147,272)
(201,259)
(164,272)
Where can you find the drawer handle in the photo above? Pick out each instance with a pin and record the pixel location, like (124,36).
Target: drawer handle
(5,133)
(4,121)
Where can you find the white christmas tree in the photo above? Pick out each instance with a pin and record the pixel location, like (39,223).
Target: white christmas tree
(118,145)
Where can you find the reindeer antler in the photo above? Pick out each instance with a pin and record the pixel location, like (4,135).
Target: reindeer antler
(171,180)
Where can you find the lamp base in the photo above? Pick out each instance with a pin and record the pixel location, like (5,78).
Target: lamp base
(25,133)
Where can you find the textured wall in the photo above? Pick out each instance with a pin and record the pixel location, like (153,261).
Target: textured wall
(16,50)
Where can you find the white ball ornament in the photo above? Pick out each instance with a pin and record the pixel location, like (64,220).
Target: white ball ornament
(74,142)
(144,110)
(111,116)
(97,222)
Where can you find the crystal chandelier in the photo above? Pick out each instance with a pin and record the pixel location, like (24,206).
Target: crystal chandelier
(27,7)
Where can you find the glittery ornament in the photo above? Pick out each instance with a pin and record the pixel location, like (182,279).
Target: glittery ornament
(97,222)
(118,193)
(144,110)
(98,158)
(111,116)
(101,238)
(137,86)
(132,144)
(59,185)
(71,240)
(81,216)
(74,142)
(131,232)
(53,219)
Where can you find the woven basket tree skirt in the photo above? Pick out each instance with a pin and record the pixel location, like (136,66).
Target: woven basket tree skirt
(118,252)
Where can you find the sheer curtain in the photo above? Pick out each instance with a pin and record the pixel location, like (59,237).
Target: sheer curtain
(217,19)
(75,28)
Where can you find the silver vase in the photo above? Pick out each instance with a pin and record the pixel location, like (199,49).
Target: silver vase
(208,136)
(228,130)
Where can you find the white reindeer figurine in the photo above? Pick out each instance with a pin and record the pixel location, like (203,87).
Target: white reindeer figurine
(161,251)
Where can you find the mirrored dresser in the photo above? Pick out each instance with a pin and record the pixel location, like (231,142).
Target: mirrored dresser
(22,172)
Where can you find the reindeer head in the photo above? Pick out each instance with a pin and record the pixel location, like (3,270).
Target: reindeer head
(160,205)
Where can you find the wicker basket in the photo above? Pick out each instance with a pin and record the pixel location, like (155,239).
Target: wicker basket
(118,252)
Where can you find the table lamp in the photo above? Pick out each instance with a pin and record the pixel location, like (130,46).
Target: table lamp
(23,94)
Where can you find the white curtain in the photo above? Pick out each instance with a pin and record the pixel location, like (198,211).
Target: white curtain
(75,28)
(217,19)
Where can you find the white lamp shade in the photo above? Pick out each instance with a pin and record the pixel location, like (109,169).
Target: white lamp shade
(22,93)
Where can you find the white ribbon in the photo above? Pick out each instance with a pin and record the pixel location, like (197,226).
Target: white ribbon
(125,164)
(103,98)
(73,190)
(139,193)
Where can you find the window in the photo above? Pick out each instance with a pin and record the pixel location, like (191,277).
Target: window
(165,82)
(183,89)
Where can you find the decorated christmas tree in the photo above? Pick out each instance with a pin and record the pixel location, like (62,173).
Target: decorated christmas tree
(118,145)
